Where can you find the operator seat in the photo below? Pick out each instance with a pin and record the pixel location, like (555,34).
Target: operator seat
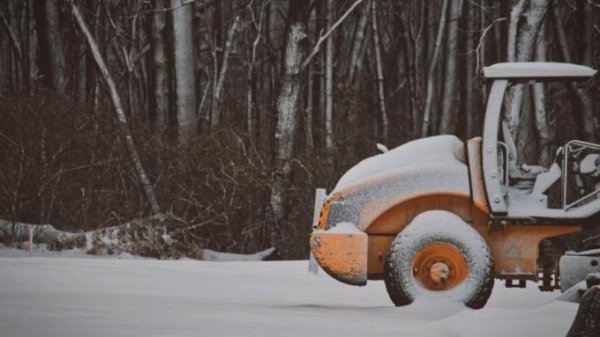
(546,179)
(521,177)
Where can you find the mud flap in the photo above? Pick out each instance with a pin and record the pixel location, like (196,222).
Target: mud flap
(342,252)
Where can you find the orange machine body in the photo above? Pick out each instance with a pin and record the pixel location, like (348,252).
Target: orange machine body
(374,210)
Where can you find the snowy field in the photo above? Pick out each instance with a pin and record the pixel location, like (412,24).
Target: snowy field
(72,295)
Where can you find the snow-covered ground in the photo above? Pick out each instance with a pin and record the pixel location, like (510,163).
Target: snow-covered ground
(77,296)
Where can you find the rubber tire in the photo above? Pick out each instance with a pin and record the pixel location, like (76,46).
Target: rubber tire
(439,227)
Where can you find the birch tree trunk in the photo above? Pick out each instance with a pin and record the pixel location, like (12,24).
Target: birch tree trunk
(448,118)
(266,118)
(380,84)
(431,71)
(250,80)
(515,17)
(589,18)
(539,102)
(414,45)
(309,110)
(118,106)
(483,46)
(160,69)
(359,38)
(319,69)
(515,93)
(288,108)
(329,137)
(591,121)
(521,48)
(524,28)
(470,73)
(591,29)
(185,82)
(13,39)
(417,34)
(80,88)
(216,106)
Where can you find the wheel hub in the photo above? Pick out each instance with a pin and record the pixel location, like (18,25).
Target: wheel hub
(440,267)
(439,272)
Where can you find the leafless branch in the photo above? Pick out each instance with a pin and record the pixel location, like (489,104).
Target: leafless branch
(13,36)
(168,9)
(191,227)
(324,37)
(591,3)
(306,170)
(591,238)
(203,102)
(483,7)
(483,34)
(8,140)
(116,100)
(130,61)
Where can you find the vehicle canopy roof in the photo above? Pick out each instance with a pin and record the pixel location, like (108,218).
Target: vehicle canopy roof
(536,70)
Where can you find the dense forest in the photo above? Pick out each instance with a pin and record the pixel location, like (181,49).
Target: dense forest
(229,113)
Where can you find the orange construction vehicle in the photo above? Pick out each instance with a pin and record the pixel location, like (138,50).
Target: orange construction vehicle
(444,218)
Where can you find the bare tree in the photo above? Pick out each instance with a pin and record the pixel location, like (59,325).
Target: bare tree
(470,111)
(250,78)
(51,42)
(544,134)
(524,28)
(431,71)
(288,107)
(329,136)
(357,44)
(589,128)
(160,68)
(216,106)
(413,23)
(121,117)
(309,109)
(185,81)
(378,66)
(448,117)
(521,47)
(13,37)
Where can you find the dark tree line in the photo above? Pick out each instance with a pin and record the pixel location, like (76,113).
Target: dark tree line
(229,113)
